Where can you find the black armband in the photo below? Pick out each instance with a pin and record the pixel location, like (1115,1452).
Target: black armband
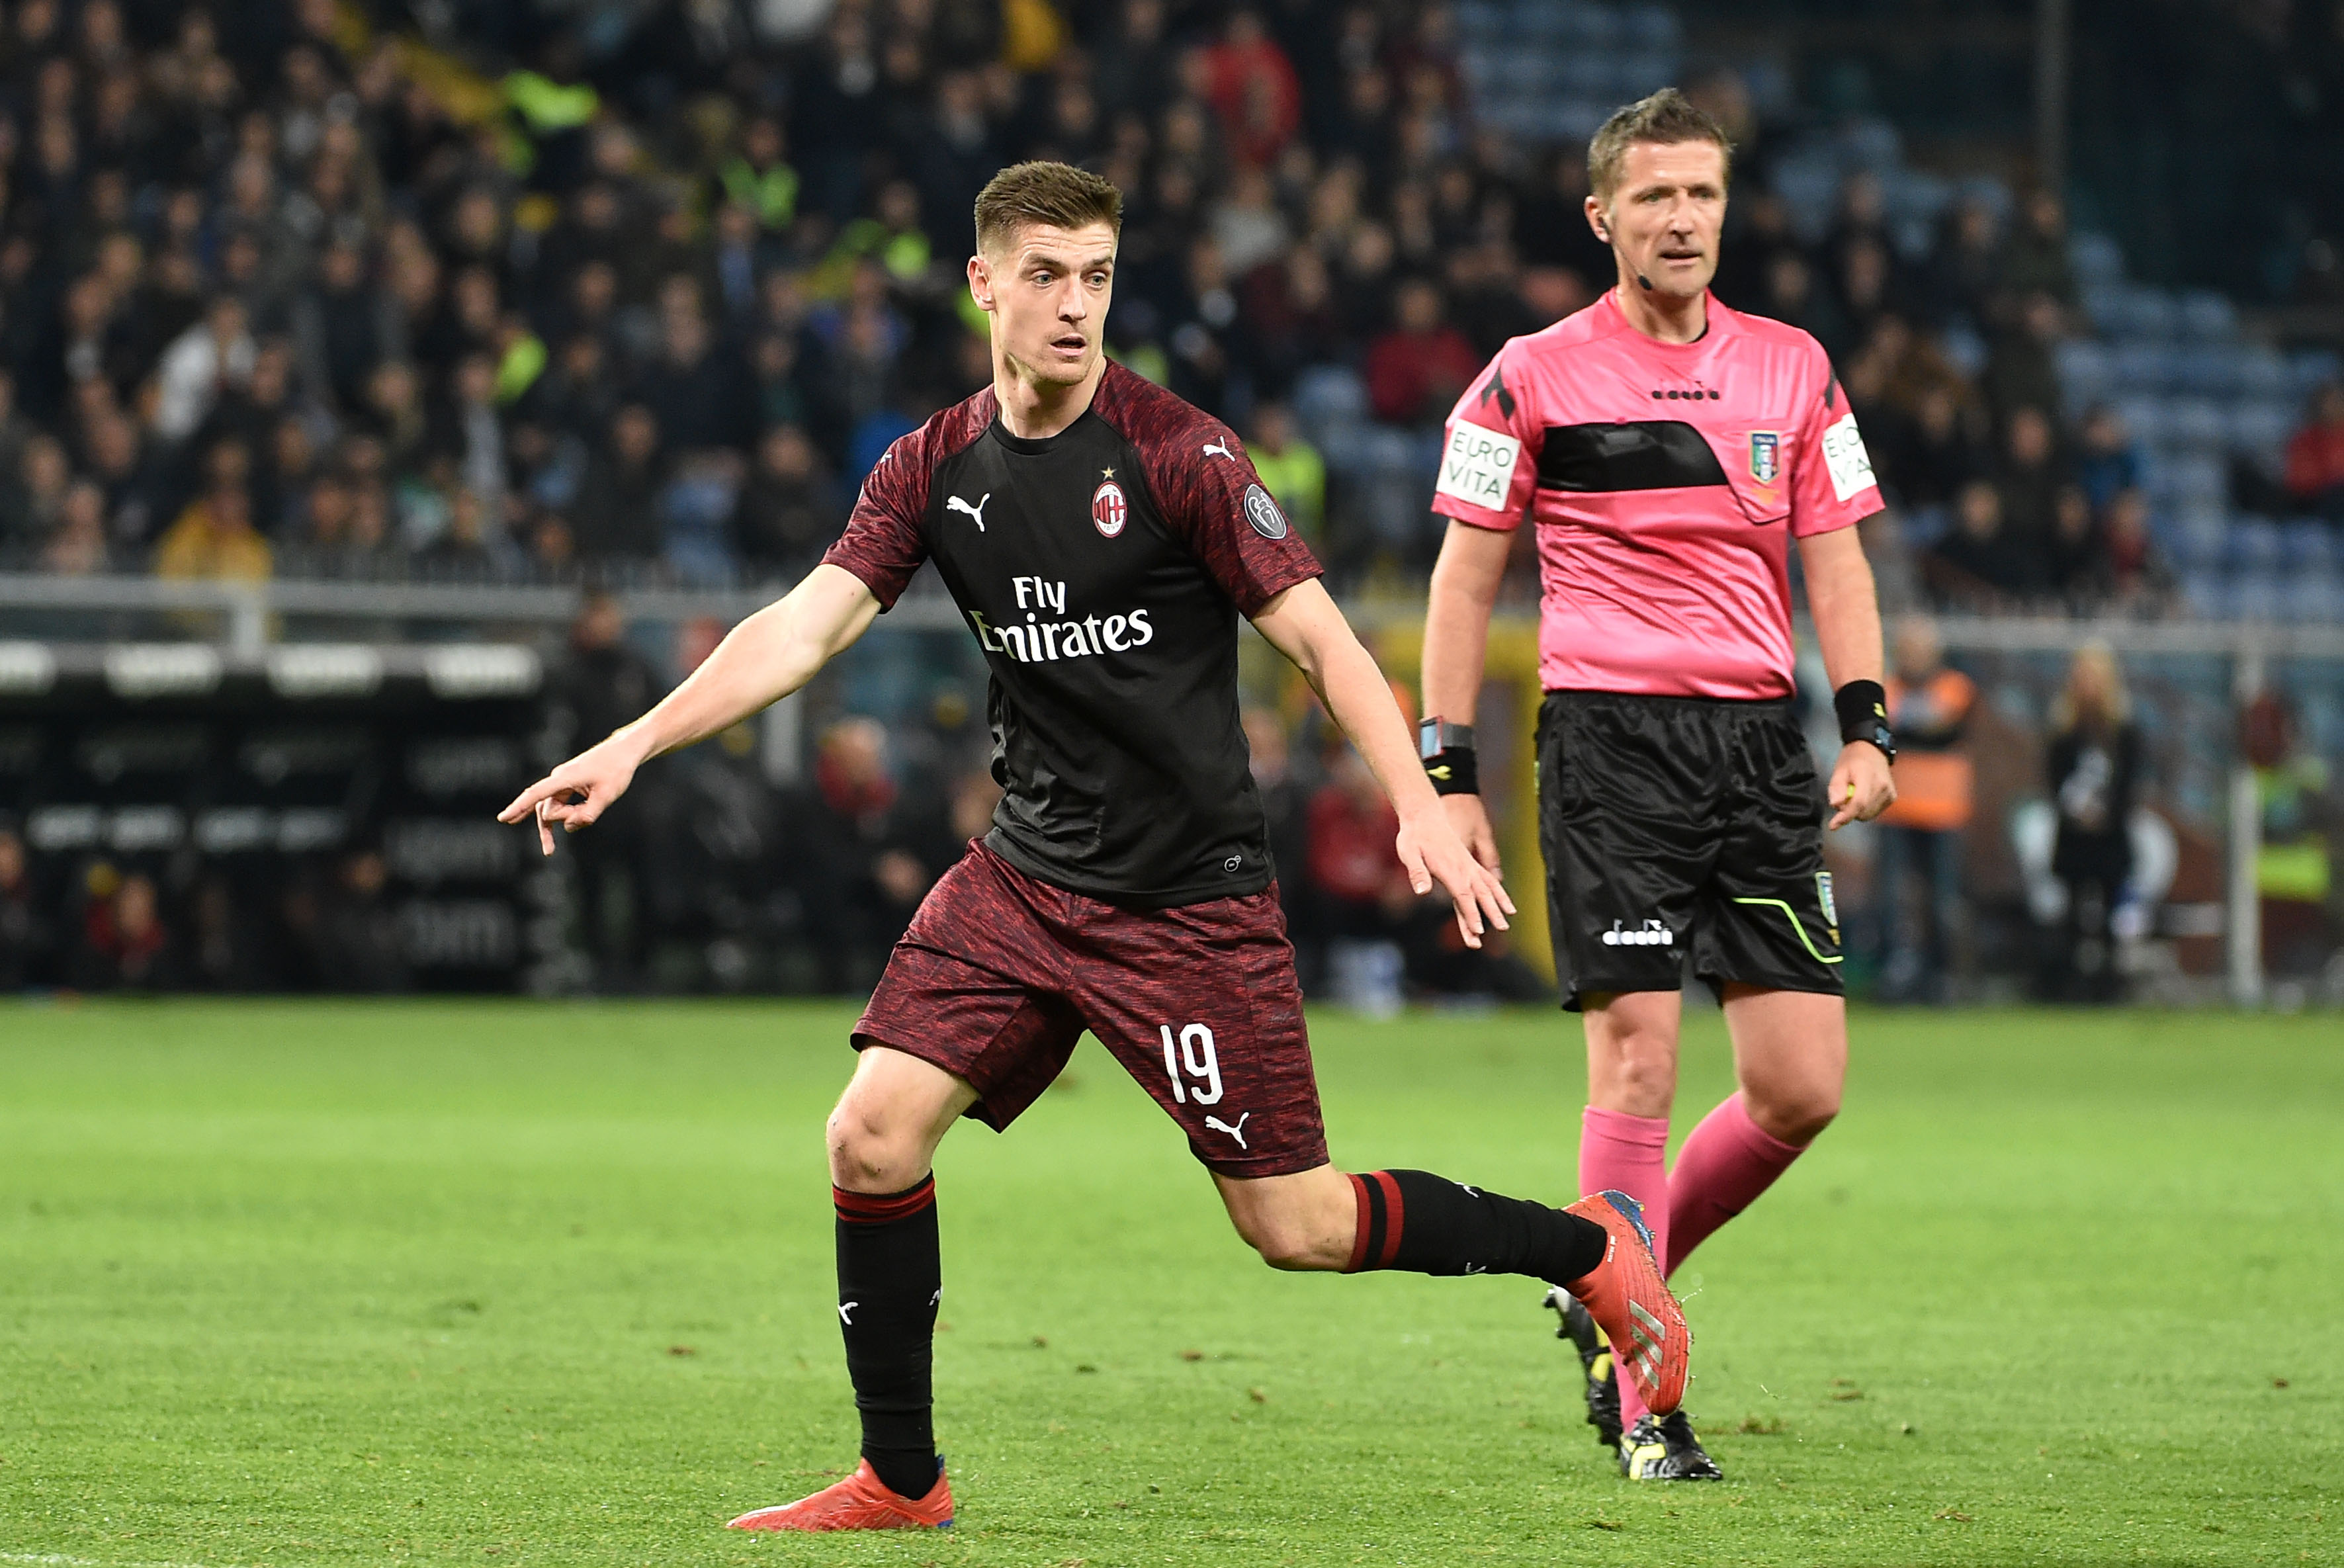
(1449,759)
(1863,710)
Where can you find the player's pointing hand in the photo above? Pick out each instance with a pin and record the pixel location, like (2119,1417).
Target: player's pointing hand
(1431,852)
(578,791)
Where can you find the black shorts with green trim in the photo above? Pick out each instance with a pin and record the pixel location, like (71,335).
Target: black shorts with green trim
(1680,828)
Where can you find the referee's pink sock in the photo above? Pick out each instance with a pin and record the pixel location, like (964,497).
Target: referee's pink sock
(1623,1153)
(1725,1163)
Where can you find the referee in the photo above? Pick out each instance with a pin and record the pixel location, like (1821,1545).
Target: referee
(1668,451)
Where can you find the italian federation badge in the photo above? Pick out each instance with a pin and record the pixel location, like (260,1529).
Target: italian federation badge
(1765,455)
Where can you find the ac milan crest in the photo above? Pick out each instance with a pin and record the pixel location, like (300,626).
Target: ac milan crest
(1109,510)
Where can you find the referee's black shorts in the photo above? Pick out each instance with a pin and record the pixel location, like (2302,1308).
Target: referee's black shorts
(1678,827)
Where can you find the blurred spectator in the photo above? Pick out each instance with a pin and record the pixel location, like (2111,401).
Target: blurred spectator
(1291,467)
(604,684)
(125,945)
(1253,90)
(1929,454)
(2133,576)
(2107,461)
(2021,372)
(1965,270)
(2075,560)
(1920,838)
(25,932)
(77,546)
(2315,455)
(1285,806)
(1418,369)
(201,364)
(1360,892)
(34,495)
(2034,262)
(788,512)
(2092,766)
(875,852)
(214,539)
(1977,565)
(2029,481)
(617,510)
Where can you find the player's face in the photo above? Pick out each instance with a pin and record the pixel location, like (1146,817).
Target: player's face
(1048,294)
(1664,216)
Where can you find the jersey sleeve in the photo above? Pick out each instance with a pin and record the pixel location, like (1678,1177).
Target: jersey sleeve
(1213,498)
(883,543)
(1489,448)
(1832,484)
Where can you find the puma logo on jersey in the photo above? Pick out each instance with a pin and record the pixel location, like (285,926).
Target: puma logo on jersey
(954,503)
(1238,1132)
(1220,449)
(847,1312)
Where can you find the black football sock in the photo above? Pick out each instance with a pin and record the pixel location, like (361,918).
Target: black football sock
(1428,1224)
(890,1278)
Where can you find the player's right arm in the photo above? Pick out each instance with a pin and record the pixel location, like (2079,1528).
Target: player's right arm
(762,660)
(767,656)
(1488,470)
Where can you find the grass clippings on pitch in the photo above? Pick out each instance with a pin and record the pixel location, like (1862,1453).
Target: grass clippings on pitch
(501,1283)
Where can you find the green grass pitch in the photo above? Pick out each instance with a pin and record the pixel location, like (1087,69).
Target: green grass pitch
(506,1283)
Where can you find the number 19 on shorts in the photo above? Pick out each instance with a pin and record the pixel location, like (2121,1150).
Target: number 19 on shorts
(1194,1055)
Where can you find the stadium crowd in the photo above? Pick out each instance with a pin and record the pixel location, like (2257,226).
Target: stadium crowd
(640,293)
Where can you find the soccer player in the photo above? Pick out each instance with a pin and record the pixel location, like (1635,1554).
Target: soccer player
(1102,537)
(1668,450)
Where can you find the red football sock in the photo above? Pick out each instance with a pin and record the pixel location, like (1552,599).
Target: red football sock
(1623,1153)
(1724,1164)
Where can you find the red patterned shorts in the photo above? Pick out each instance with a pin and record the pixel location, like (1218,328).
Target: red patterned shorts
(1000,973)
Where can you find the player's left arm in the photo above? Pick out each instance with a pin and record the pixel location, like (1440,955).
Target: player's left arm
(1303,623)
(1846,610)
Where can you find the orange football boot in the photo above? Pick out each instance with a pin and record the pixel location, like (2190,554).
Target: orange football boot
(861,1502)
(1626,1295)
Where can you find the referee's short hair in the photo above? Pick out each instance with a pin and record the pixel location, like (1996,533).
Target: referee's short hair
(1056,194)
(1667,116)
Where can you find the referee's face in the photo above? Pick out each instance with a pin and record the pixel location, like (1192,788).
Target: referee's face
(1047,293)
(1663,218)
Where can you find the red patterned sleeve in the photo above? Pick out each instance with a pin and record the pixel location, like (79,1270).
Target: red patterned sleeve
(1211,496)
(883,543)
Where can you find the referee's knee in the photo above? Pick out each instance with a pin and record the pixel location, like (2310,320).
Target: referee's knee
(1795,1116)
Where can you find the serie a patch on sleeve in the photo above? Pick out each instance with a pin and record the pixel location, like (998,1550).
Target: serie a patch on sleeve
(1478,466)
(1844,455)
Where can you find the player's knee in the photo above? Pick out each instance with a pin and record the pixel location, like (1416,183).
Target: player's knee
(1282,1243)
(865,1153)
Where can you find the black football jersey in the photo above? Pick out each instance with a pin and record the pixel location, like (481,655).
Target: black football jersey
(1102,569)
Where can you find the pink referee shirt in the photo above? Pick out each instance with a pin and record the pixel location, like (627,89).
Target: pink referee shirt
(1661,478)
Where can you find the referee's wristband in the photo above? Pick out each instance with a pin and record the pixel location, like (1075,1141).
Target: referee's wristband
(1447,753)
(1453,770)
(1862,707)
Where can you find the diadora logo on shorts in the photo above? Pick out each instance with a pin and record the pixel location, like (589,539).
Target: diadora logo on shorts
(1110,508)
(1041,641)
(1653,935)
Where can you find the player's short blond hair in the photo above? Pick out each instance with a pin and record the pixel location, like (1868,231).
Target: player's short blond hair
(1665,118)
(1056,194)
